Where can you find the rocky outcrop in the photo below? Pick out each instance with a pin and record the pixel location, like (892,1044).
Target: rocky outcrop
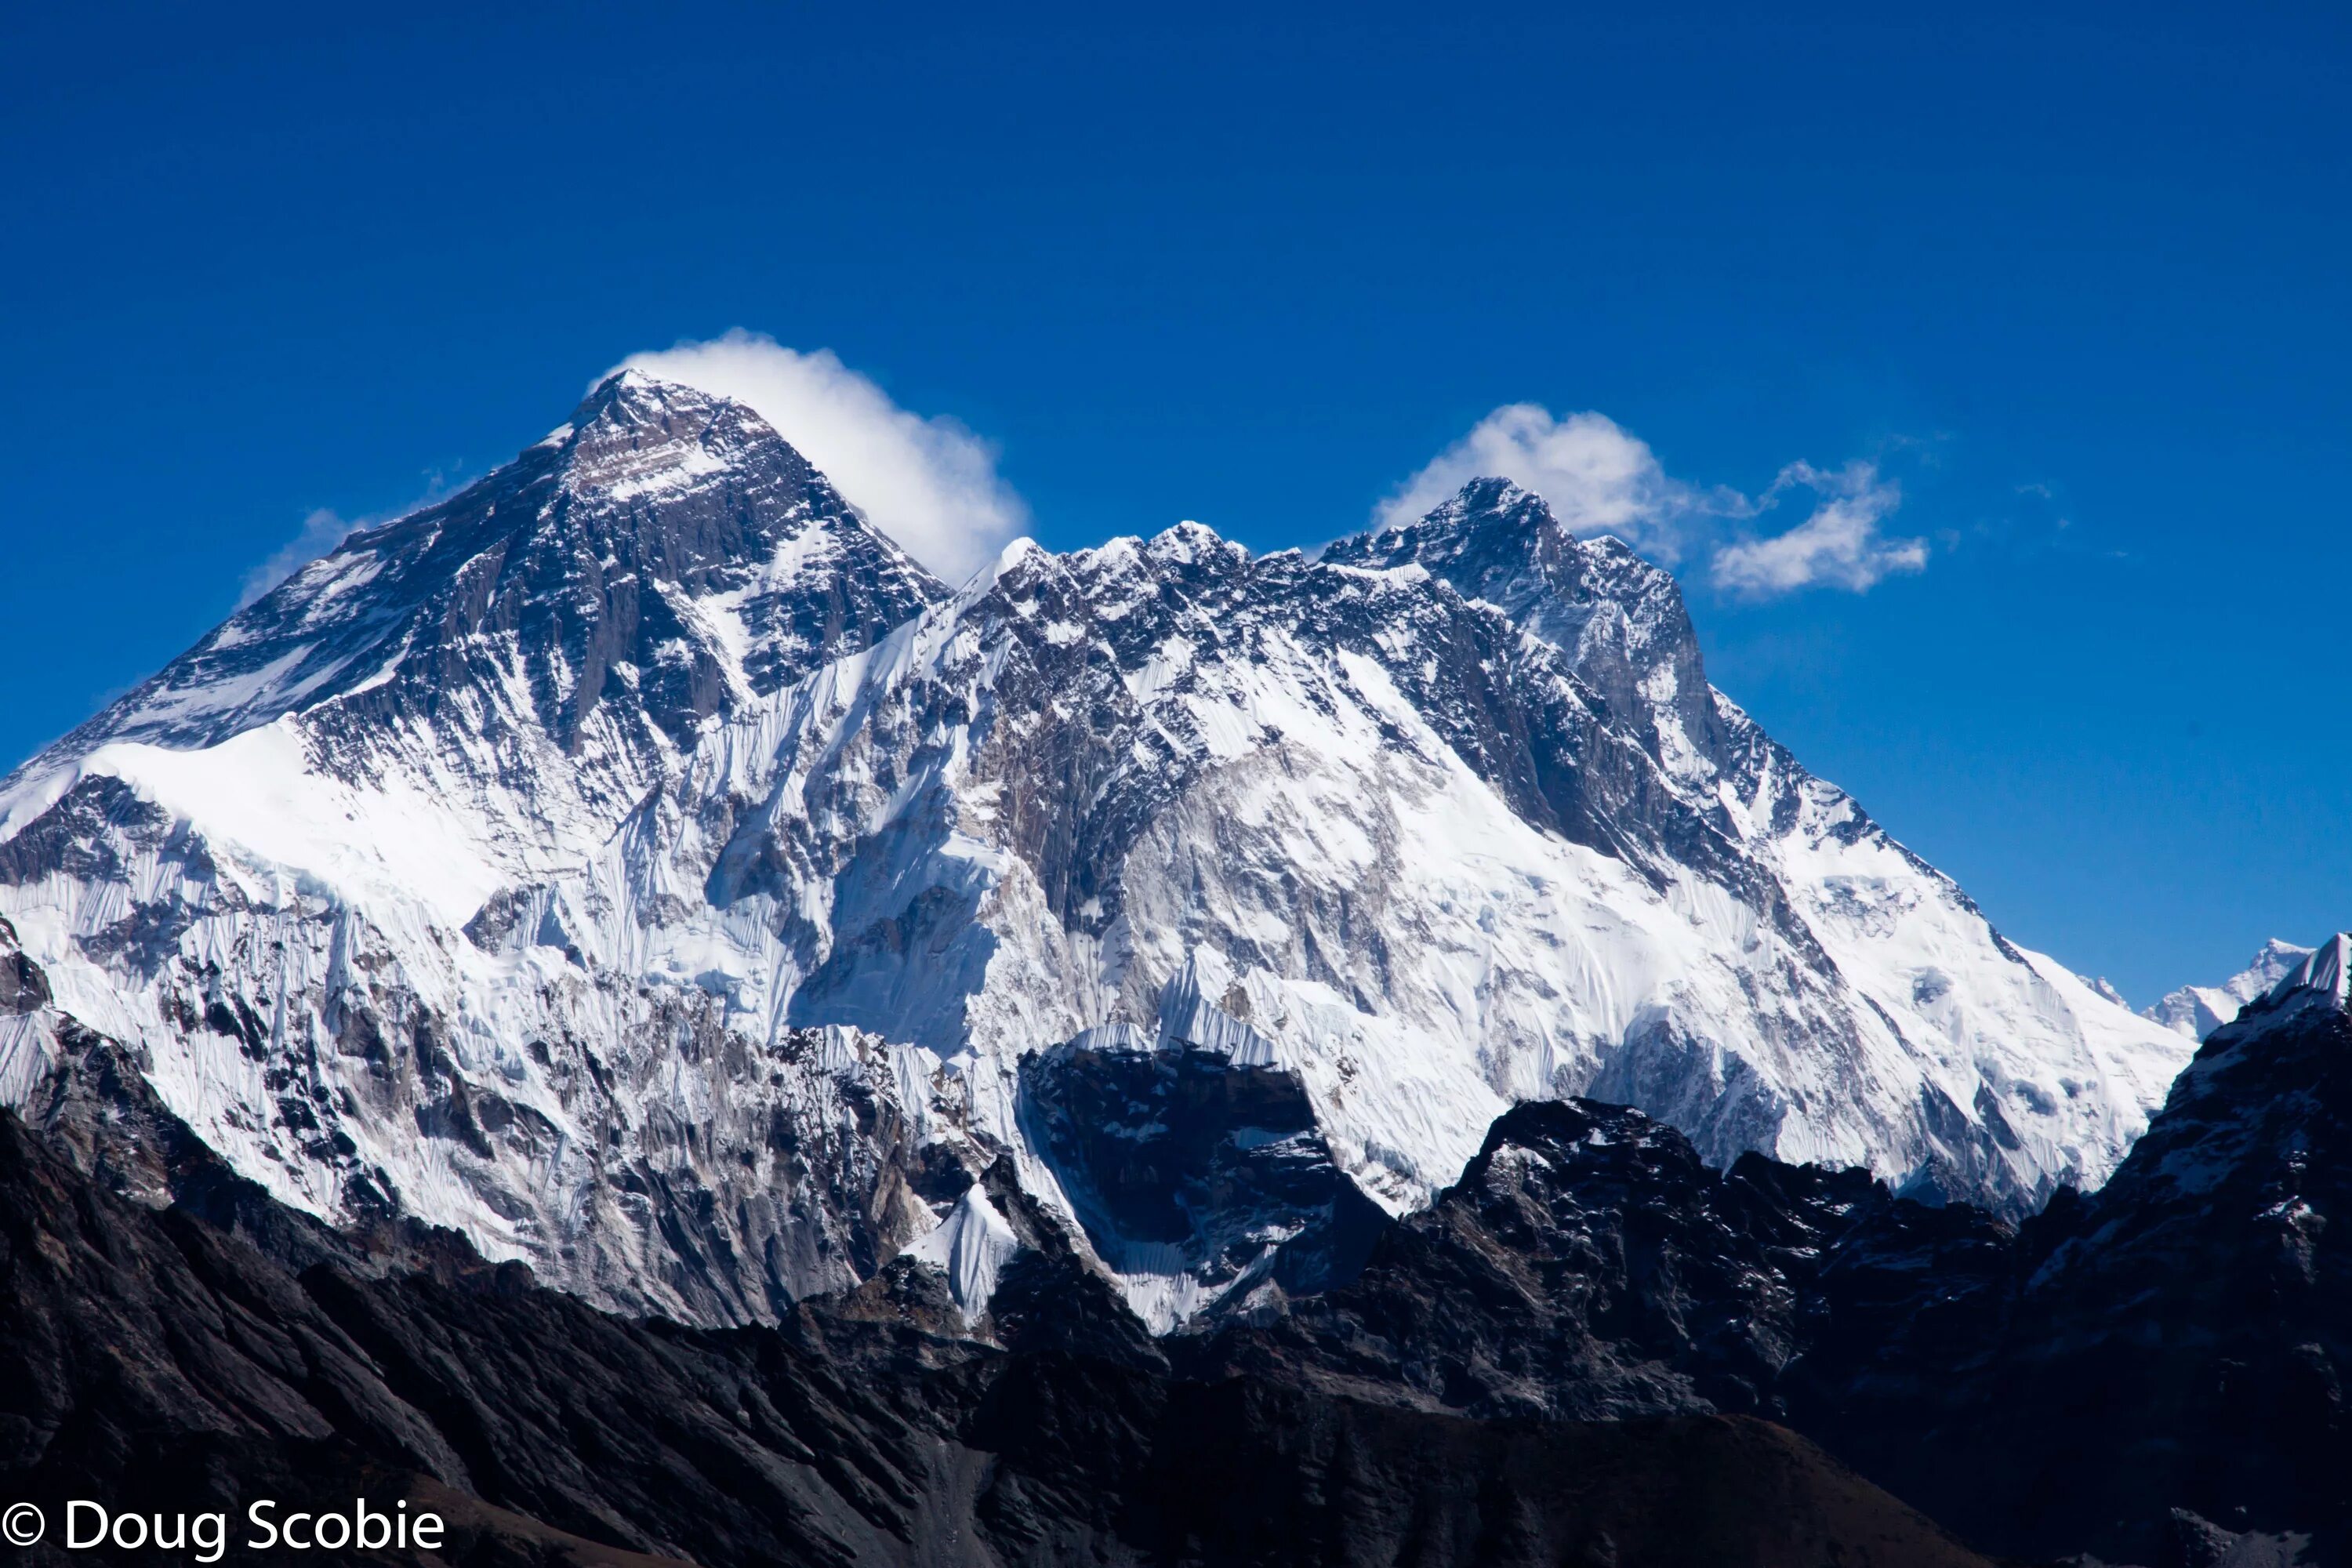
(1195,1172)
(2181,1339)
(1589,1266)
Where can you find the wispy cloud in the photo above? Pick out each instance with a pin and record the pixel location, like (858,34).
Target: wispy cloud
(321,532)
(1596,476)
(1838,546)
(930,484)
(1600,478)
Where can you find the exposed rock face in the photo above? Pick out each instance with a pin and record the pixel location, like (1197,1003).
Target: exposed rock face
(1194,1163)
(163,1363)
(1620,619)
(2142,1373)
(661,558)
(23,987)
(1589,1266)
(639,865)
(2188,1327)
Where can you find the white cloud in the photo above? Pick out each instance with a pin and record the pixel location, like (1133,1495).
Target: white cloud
(1600,478)
(930,484)
(325,529)
(321,532)
(1838,546)
(1596,476)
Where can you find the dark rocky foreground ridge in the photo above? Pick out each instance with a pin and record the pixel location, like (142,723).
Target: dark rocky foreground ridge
(172,1340)
(167,1362)
(1592,1349)
(2151,1374)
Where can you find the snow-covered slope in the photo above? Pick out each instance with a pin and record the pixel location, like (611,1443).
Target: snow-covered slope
(288,868)
(636,862)
(2196,1011)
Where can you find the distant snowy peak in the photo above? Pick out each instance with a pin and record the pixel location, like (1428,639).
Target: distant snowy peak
(664,550)
(2196,1011)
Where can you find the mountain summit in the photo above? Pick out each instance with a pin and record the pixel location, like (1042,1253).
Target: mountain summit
(1620,619)
(2197,1011)
(639,864)
(663,556)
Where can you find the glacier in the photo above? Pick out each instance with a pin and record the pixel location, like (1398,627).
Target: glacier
(640,864)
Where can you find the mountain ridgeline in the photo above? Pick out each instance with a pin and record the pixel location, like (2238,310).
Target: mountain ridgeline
(638,863)
(621,1008)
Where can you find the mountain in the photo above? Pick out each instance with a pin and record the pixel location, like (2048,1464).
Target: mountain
(173,1340)
(2196,1011)
(1592,1348)
(638,865)
(285,867)
(2191,1324)
(197,1350)
(2152,1374)
(181,1361)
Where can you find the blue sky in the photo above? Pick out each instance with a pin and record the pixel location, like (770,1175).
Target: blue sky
(2071,281)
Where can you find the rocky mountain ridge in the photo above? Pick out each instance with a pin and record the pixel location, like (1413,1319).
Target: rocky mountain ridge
(193,1352)
(2142,1373)
(636,864)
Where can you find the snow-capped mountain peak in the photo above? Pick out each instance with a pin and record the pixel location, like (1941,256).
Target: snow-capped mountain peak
(658,553)
(636,862)
(1620,619)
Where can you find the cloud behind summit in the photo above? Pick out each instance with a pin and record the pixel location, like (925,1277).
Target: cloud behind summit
(929,482)
(1600,478)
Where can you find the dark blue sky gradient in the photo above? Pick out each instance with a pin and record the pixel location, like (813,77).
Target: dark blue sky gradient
(2076,276)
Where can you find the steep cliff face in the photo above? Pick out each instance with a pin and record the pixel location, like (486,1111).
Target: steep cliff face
(1192,1163)
(2189,1325)
(636,863)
